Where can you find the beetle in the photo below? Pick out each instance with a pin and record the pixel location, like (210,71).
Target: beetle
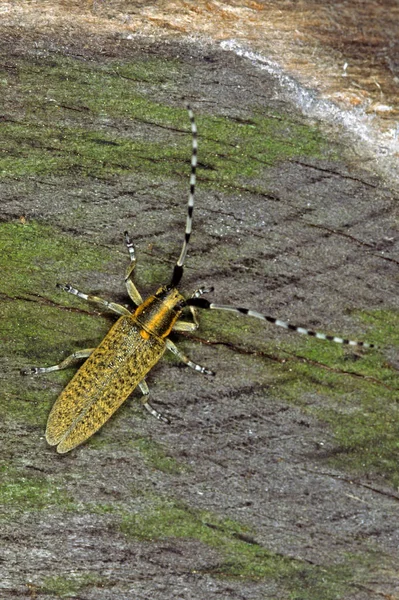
(134,344)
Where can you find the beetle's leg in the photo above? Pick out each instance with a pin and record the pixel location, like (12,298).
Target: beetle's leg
(171,346)
(131,288)
(145,391)
(198,293)
(187,325)
(112,306)
(67,362)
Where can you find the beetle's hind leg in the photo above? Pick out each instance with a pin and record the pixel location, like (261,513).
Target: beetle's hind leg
(145,391)
(112,306)
(67,362)
(131,288)
(173,348)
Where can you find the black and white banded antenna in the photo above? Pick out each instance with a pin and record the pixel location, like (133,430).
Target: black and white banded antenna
(203,303)
(178,270)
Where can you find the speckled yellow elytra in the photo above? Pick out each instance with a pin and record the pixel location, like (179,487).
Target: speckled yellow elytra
(134,345)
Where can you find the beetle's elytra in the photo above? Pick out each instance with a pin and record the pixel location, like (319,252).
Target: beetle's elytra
(134,345)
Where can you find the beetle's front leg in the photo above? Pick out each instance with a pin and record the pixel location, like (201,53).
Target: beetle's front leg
(112,306)
(67,362)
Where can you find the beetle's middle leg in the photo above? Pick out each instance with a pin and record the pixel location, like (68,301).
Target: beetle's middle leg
(173,348)
(145,391)
(112,306)
(67,362)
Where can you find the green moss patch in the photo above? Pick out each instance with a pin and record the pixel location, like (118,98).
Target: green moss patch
(157,458)
(100,120)
(240,555)
(69,586)
(21,492)
(35,257)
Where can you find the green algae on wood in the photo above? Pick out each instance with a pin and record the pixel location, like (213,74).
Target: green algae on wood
(68,586)
(62,130)
(240,556)
(21,492)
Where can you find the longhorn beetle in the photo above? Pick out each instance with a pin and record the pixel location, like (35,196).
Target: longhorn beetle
(134,345)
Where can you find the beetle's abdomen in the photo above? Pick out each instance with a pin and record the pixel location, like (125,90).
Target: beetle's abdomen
(102,384)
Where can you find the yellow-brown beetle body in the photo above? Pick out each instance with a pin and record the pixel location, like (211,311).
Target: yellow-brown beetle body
(113,370)
(134,345)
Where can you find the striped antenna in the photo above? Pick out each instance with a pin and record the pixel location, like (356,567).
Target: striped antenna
(202,303)
(178,270)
